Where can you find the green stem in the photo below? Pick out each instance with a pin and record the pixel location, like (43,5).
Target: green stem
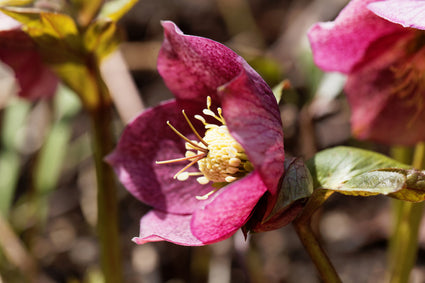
(107,204)
(404,242)
(317,254)
(106,196)
(302,226)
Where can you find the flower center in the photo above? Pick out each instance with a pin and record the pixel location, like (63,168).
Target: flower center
(220,158)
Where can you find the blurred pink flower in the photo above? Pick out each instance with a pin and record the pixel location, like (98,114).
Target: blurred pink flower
(195,68)
(381,46)
(18,51)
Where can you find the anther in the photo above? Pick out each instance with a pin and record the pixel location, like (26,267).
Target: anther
(204,197)
(202,180)
(230,179)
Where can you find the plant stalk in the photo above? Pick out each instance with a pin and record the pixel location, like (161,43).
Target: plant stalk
(404,242)
(317,254)
(310,242)
(107,204)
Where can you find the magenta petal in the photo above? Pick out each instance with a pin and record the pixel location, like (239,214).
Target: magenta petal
(159,226)
(193,67)
(408,13)
(385,107)
(35,79)
(253,119)
(18,51)
(342,44)
(148,139)
(229,210)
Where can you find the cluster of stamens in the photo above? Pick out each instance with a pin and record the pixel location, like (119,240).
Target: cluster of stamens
(220,158)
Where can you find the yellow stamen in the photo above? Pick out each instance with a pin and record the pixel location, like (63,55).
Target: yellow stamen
(193,129)
(189,165)
(186,139)
(220,158)
(204,197)
(180,159)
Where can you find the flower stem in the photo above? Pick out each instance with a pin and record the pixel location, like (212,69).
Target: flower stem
(317,254)
(404,242)
(107,204)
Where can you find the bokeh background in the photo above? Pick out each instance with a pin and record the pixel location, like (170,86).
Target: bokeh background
(47,190)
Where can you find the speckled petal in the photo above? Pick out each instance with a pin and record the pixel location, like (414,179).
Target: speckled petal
(194,67)
(146,140)
(408,13)
(253,119)
(344,44)
(159,226)
(229,210)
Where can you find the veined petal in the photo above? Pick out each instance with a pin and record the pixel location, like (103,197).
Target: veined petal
(387,98)
(193,67)
(229,210)
(253,119)
(343,44)
(146,140)
(159,226)
(408,13)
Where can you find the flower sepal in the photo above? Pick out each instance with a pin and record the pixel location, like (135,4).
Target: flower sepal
(296,186)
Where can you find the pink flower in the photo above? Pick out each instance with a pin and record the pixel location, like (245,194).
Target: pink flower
(191,211)
(381,46)
(19,52)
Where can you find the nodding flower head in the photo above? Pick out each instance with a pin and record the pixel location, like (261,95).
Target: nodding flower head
(203,177)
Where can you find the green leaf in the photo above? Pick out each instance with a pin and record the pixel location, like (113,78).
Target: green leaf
(115,9)
(10,165)
(13,123)
(62,47)
(51,158)
(15,2)
(55,31)
(359,172)
(100,38)
(86,10)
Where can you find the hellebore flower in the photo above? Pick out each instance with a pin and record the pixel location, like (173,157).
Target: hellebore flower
(236,139)
(18,51)
(381,46)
